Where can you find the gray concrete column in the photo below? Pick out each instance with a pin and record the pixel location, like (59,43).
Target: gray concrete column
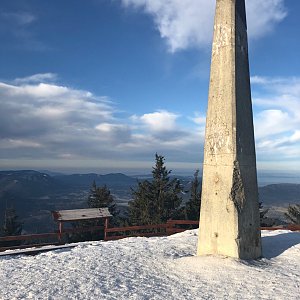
(229,219)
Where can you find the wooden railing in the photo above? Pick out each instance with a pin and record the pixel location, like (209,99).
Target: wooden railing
(148,230)
(169,228)
(56,238)
(116,233)
(290,227)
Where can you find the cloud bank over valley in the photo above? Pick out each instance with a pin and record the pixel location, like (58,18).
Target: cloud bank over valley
(50,123)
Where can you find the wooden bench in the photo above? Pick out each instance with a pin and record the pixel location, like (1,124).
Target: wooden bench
(75,215)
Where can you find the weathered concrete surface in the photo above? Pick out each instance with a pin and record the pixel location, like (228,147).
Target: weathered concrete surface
(229,220)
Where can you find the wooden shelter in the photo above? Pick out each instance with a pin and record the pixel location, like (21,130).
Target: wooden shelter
(73,215)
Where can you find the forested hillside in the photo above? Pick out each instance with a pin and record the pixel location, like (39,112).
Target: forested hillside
(34,194)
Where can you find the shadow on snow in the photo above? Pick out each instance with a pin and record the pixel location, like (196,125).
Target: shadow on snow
(275,245)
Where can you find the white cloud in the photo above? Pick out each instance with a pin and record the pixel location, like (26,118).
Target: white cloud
(295,137)
(264,15)
(36,78)
(20,18)
(271,122)
(187,24)
(49,115)
(280,93)
(161,132)
(107,128)
(183,24)
(43,121)
(277,82)
(18,25)
(161,120)
(43,90)
(258,80)
(47,122)
(277,120)
(199,118)
(18,143)
(116,133)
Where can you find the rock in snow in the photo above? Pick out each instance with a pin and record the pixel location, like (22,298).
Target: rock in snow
(154,268)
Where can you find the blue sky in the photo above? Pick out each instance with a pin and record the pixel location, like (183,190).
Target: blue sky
(101,85)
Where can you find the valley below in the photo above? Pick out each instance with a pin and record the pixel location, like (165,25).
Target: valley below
(35,194)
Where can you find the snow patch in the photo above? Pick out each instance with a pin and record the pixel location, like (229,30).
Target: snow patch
(154,268)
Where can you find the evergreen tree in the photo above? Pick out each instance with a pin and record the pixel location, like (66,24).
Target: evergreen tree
(264,220)
(142,205)
(262,212)
(11,224)
(101,197)
(293,213)
(193,205)
(158,200)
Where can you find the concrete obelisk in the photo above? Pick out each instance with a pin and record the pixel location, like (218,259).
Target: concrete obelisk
(229,219)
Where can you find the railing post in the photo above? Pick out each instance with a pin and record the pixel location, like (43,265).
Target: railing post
(170,225)
(60,230)
(105,227)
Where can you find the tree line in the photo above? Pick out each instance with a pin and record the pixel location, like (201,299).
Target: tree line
(154,201)
(159,199)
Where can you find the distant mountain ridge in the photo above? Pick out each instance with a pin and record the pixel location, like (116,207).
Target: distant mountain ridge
(34,194)
(26,183)
(86,180)
(281,193)
(31,183)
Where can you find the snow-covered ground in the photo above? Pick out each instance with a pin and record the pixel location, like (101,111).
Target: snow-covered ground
(154,268)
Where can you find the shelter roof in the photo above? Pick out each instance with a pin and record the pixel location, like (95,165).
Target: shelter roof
(81,214)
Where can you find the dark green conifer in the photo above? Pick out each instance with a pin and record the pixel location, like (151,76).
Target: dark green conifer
(11,226)
(155,201)
(101,197)
(293,214)
(193,205)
